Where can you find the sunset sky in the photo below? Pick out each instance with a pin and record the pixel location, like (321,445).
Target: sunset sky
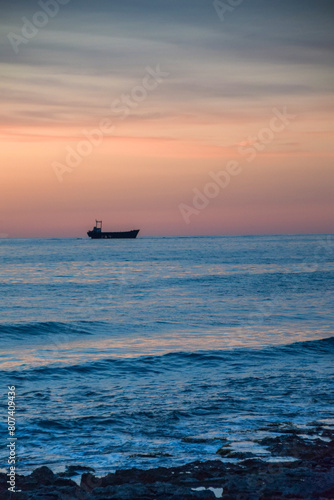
(174,92)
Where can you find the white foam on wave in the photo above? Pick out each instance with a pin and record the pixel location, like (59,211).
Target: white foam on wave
(218,492)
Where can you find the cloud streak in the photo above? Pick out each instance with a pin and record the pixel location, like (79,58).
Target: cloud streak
(224,78)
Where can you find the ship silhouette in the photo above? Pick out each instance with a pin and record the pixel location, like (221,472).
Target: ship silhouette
(97,233)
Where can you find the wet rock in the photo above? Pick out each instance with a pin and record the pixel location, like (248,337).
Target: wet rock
(227,452)
(43,475)
(89,482)
(152,491)
(297,447)
(310,477)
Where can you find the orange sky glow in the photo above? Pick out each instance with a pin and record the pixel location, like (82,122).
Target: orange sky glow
(73,152)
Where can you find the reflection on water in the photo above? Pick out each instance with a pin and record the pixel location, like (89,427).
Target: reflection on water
(162,350)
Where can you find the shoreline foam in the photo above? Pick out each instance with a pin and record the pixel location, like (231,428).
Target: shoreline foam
(309,477)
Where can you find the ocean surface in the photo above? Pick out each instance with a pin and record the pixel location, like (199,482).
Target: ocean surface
(158,351)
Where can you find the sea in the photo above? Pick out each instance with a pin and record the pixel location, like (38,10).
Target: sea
(159,351)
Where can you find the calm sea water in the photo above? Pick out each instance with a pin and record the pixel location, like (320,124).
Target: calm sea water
(158,351)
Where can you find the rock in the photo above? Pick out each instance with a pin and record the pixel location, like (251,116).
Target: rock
(227,452)
(43,475)
(89,482)
(310,477)
(297,447)
(157,490)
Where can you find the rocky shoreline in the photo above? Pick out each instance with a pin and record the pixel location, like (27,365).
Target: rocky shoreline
(310,476)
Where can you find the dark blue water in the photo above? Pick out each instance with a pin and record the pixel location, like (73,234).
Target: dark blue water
(157,351)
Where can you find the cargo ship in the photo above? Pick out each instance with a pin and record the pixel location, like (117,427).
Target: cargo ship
(97,233)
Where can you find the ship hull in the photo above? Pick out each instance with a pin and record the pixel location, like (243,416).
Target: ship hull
(113,235)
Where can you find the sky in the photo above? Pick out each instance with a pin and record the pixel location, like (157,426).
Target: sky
(186,117)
